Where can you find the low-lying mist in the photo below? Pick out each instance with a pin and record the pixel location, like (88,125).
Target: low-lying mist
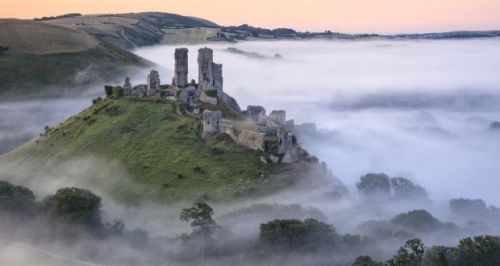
(420,109)
(414,109)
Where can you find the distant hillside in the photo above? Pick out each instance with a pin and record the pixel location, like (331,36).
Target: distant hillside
(40,58)
(131,30)
(58,54)
(160,149)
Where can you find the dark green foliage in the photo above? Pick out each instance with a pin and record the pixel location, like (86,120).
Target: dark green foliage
(96,100)
(109,90)
(200,216)
(211,93)
(75,206)
(16,199)
(297,236)
(418,221)
(364,261)
(410,254)
(117,92)
(404,188)
(374,184)
(479,250)
(440,256)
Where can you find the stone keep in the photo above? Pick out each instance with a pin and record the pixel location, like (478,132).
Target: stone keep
(153,81)
(181,67)
(257,113)
(211,123)
(278,117)
(217,76)
(205,71)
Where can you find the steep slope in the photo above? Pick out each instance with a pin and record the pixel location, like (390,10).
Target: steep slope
(160,149)
(39,58)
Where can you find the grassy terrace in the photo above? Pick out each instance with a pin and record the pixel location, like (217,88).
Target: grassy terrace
(163,152)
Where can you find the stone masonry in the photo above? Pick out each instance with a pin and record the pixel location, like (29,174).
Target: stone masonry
(181,67)
(205,71)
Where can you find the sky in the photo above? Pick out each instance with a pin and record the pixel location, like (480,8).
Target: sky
(377,16)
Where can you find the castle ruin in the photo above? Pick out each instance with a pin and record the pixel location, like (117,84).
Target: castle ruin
(254,129)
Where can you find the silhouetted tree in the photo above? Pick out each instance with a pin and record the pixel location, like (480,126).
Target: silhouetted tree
(374,184)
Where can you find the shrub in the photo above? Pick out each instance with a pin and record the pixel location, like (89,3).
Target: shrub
(16,199)
(109,90)
(211,93)
(117,92)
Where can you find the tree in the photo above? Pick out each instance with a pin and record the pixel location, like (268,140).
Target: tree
(365,261)
(16,199)
(479,250)
(418,221)
(409,255)
(75,206)
(200,216)
(372,184)
(404,188)
(439,256)
(109,90)
(295,235)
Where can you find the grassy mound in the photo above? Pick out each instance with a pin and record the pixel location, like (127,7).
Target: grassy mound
(161,150)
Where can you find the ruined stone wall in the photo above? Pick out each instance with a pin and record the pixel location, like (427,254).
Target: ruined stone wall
(277,117)
(257,114)
(181,67)
(205,72)
(211,123)
(285,140)
(251,139)
(153,82)
(218,80)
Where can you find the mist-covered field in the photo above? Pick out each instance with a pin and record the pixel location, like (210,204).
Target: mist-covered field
(421,110)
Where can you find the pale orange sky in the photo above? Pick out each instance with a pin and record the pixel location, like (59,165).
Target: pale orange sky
(380,16)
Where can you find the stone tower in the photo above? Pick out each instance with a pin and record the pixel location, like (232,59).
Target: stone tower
(153,81)
(205,71)
(127,87)
(211,123)
(217,76)
(181,67)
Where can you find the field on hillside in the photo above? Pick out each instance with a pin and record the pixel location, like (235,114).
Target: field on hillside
(28,37)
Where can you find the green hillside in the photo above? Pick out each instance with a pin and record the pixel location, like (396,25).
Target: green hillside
(162,151)
(39,58)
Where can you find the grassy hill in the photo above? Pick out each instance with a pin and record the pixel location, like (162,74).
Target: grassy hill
(160,149)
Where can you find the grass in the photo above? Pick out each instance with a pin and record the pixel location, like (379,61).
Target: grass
(23,74)
(162,151)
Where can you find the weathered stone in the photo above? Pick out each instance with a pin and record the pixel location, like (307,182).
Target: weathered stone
(263,160)
(277,117)
(205,71)
(207,99)
(229,101)
(218,81)
(284,140)
(127,87)
(153,82)
(251,139)
(290,124)
(211,123)
(291,155)
(257,114)
(274,159)
(181,67)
